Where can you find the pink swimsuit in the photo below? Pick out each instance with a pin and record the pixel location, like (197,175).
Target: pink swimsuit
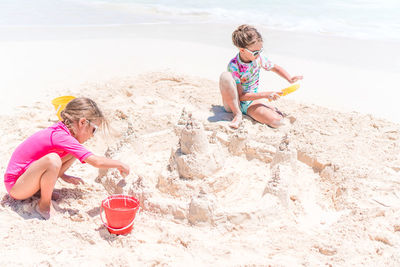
(54,139)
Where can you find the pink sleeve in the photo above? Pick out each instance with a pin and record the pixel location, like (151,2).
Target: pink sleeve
(66,142)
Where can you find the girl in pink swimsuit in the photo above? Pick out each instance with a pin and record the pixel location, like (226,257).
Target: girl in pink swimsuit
(40,160)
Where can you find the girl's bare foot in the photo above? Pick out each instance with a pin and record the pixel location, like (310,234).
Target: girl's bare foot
(235,123)
(45,211)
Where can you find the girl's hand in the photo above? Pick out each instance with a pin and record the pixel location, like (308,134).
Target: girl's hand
(123,169)
(72,179)
(273,96)
(295,79)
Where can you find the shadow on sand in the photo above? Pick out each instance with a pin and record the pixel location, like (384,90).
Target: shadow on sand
(26,208)
(219,114)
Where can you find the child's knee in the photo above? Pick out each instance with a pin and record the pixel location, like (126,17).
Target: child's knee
(225,78)
(53,161)
(276,121)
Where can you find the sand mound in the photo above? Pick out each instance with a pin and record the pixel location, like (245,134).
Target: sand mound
(320,190)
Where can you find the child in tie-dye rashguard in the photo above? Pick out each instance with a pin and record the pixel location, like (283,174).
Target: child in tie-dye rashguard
(248,75)
(239,85)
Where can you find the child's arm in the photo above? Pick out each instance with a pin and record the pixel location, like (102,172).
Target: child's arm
(254,96)
(106,163)
(284,74)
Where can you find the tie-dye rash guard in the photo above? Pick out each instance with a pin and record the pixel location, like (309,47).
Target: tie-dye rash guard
(248,75)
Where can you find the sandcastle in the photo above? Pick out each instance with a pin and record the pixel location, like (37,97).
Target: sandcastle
(195,157)
(283,171)
(200,184)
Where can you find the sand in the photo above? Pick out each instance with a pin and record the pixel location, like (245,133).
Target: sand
(320,190)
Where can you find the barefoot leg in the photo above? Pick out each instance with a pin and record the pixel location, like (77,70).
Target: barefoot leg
(66,163)
(41,174)
(264,114)
(230,98)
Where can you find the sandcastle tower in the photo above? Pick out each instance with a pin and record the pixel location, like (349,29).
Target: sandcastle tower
(195,157)
(192,161)
(283,171)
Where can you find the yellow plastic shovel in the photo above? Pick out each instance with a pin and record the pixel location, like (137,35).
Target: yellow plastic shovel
(288,90)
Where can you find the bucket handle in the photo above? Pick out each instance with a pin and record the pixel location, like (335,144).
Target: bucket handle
(113,229)
(58,108)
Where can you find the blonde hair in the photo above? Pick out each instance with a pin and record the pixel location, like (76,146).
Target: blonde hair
(245,35)
(82,107)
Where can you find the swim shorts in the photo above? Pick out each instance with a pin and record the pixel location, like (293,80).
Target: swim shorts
(244,105)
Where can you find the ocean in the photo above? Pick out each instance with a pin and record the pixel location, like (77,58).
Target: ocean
(362,19)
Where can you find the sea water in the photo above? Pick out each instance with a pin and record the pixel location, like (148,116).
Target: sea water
(369,19)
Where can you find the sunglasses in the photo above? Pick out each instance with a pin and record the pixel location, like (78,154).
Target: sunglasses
(95,127)
(255,53)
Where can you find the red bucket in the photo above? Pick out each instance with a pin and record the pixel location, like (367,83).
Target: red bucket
(120,213)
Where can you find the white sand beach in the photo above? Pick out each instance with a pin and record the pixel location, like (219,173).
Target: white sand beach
(321,190)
